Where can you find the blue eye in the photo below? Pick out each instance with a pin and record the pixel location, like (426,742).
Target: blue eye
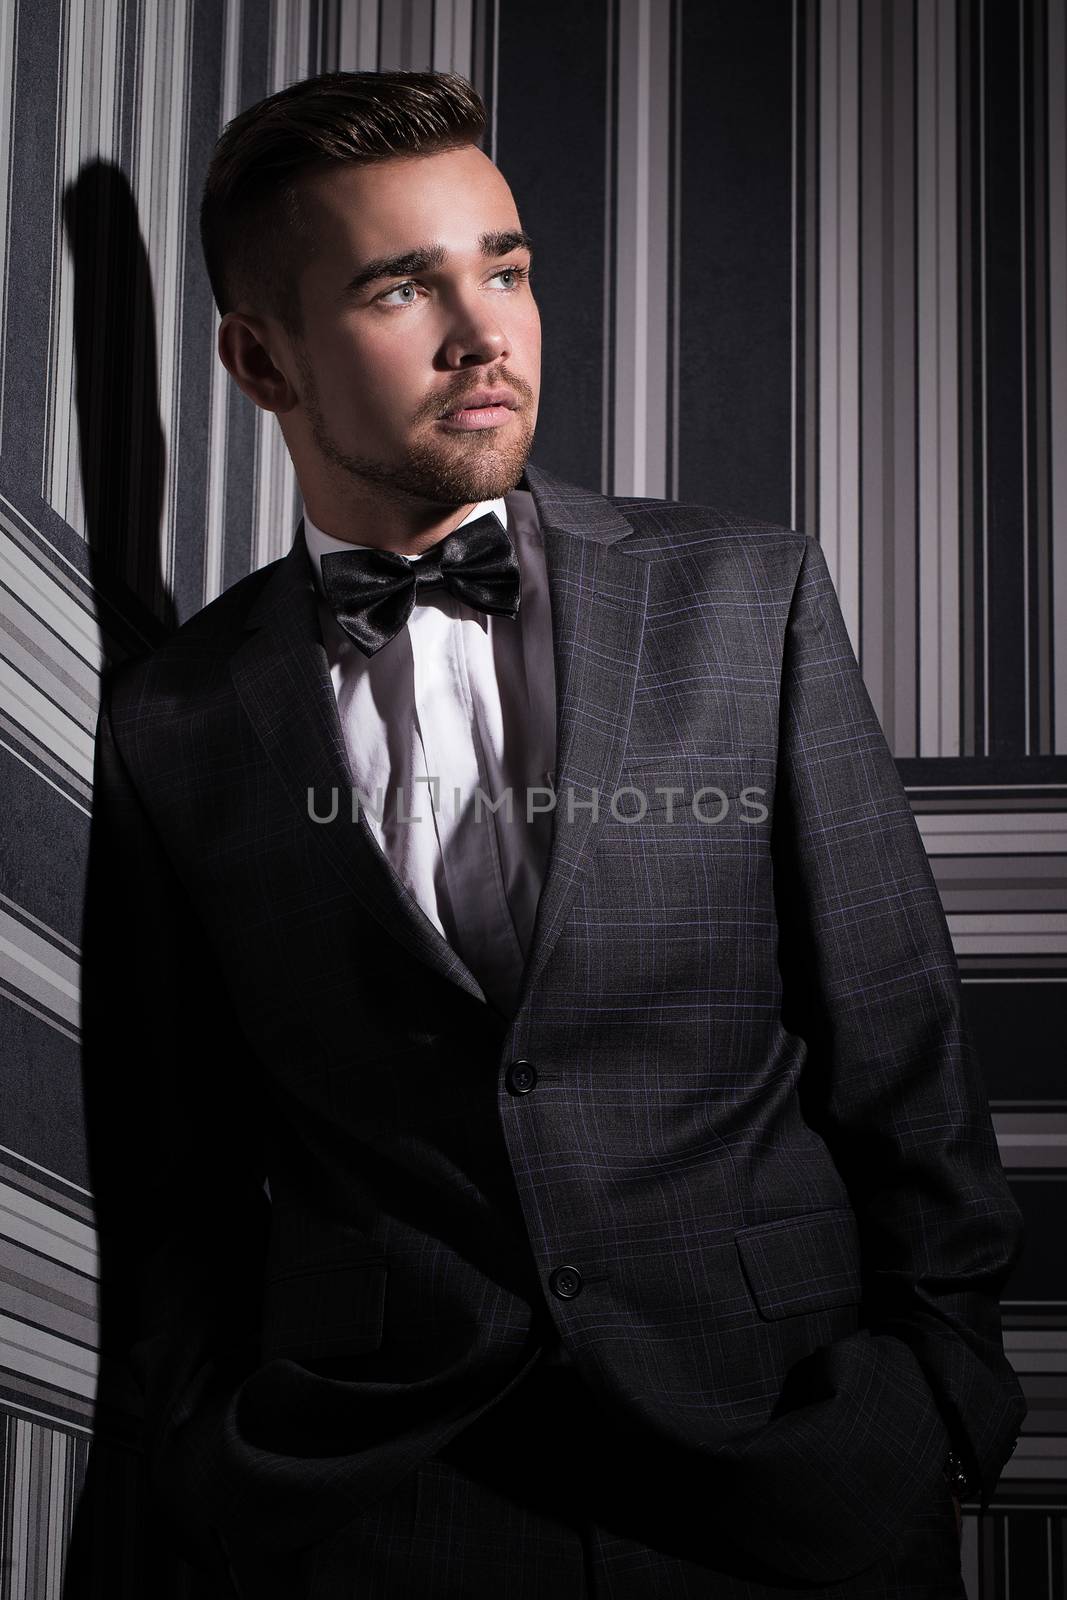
(521,273)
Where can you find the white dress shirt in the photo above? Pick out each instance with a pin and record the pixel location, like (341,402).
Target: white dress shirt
(467,699)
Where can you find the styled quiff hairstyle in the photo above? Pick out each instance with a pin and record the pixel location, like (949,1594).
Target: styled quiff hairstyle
(255,234)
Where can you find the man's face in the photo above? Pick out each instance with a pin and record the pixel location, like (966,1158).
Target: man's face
(382,362)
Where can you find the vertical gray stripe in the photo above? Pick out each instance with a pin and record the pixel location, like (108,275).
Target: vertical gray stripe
(1024,386)
(839,387)
(969,1556)
(983,545)
(1037,144)
(392,19)
(674,465)
(948,643)
(277,494)
(357,36)
(660,104)
(901,580)
(642,110)
(18,1505)
(1050,1552)
(218,433)
(970,445)
(850,394)
(9,20)
(607,409)
(85,128)
(175,49)
(161,93)
(937,366)
(630,264)
(485,34)
(419,54)
(453,21)
(794,309)
(812,266)
(1057,349)
(829,268)
(495,75)
(876,439)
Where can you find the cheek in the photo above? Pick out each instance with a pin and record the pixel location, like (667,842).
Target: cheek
(531,330)
(369,381)
(524,337)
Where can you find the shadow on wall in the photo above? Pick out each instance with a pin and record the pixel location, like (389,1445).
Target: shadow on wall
(116,1549)
(120,433)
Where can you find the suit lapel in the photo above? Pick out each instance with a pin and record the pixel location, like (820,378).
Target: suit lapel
(598,596)
(281,675)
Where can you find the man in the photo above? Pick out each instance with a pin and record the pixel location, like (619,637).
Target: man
(596,1199)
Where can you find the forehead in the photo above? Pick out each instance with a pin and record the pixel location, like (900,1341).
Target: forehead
(396,203)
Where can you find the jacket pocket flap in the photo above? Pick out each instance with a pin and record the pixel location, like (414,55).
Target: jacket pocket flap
(804,1263)
(327,1310)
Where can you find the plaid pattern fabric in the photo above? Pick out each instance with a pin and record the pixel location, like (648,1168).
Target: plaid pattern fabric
(757,1137)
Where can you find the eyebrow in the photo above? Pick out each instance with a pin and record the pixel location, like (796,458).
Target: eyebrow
(423,257)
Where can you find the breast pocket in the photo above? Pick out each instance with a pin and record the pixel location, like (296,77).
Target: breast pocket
(328,1309)
(804,1263)
(706,789)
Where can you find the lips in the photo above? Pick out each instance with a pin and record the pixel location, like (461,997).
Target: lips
(484,400)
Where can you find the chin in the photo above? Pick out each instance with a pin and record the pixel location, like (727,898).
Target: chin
(482,473)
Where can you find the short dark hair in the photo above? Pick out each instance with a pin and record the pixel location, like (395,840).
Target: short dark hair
(253,230)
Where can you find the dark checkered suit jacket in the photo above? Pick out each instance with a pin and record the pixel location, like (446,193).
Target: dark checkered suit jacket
(757,1131)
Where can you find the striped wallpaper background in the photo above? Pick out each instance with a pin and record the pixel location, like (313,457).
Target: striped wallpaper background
(806,260)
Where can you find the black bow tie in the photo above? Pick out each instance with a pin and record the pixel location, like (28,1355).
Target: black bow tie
(372,591)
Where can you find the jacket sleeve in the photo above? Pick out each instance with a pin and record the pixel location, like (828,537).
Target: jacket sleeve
(175,1150)
(891,1079)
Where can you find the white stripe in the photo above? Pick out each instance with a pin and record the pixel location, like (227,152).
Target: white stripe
(1006,934)
(1025,833)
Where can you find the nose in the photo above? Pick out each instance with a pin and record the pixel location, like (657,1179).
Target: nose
(475,336)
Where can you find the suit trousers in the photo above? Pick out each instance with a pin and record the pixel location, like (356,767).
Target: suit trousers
(544,1497)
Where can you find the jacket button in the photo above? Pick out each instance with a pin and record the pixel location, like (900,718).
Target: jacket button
(565,1282)
(521,1077)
